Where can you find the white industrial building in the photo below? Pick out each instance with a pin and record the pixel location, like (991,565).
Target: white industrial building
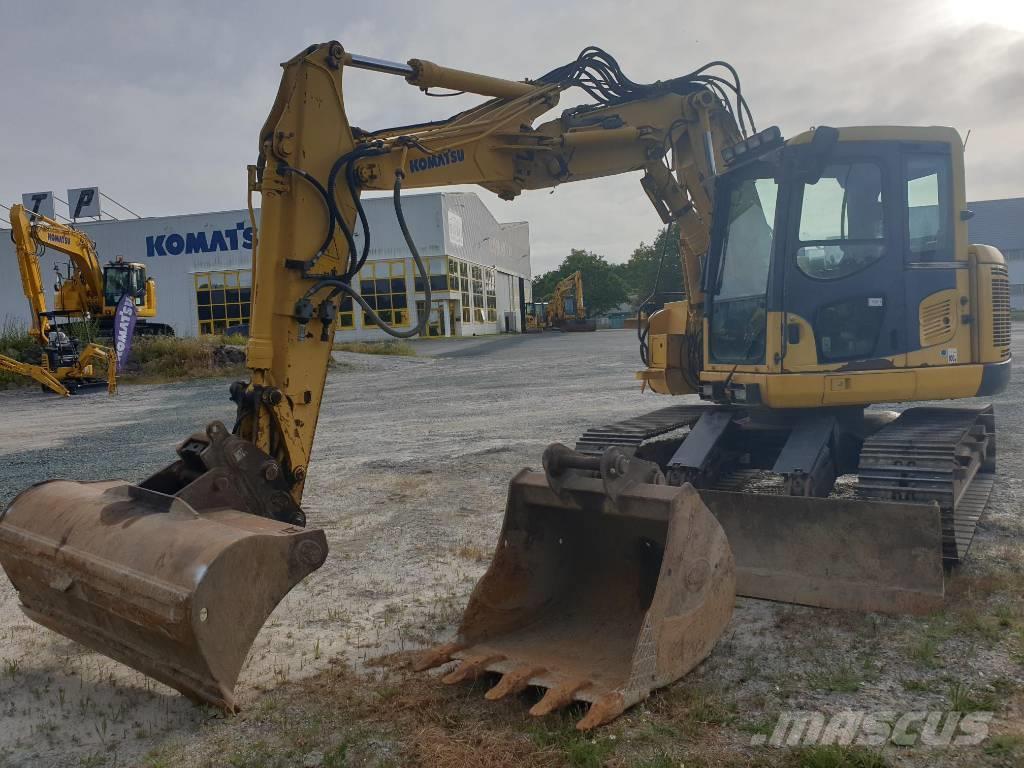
(202,264)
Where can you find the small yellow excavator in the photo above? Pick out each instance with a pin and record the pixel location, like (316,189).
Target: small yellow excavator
(64,366)
(566,311)
(822,274)
(87,291)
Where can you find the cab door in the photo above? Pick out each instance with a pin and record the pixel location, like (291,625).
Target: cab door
(843,270)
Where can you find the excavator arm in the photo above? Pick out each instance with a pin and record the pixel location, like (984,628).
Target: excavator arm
(313,165)
(82,293)
(205,548)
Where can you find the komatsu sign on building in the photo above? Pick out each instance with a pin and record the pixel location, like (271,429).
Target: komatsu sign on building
(202,263)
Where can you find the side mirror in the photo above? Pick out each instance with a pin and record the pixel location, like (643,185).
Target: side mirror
(808,161)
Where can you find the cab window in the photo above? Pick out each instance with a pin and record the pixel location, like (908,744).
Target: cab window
(738,311)
(929,228)
(842,225)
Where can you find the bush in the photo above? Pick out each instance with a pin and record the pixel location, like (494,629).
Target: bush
(169,358)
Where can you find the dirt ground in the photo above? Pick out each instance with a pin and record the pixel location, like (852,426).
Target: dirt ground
(408,479)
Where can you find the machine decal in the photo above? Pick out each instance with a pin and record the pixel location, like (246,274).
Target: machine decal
(448,157)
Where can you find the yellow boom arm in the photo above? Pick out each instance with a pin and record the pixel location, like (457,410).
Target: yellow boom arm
(313,165)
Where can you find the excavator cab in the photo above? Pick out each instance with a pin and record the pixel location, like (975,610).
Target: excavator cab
(122,278)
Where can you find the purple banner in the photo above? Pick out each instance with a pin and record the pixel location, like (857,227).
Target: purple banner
(124,327)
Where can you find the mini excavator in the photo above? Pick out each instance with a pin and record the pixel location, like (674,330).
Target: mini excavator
(822,274)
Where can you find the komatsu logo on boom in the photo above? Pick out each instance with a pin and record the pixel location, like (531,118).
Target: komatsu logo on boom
(200,242)
(448,157)
(59,239)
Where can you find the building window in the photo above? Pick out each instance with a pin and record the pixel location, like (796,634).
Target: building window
(492,300)
(346,317)
(467,307)
(382,286)
(436,268)
(477,284)
(223,299)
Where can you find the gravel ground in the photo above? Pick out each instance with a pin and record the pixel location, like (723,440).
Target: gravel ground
(408,478)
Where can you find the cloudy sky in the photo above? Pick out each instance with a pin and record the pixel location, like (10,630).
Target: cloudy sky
(159,104)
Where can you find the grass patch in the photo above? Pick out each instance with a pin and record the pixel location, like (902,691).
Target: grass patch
(834,756)
(840,679)
(397,347)
(16,343)
(157,359)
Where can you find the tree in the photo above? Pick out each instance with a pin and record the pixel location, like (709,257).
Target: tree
(604,287)
(642,269)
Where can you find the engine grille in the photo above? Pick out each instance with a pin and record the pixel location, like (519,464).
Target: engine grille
(1001,311)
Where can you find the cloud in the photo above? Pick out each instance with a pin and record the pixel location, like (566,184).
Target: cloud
(161,104)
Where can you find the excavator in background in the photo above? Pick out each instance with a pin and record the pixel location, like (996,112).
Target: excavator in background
(536,316)
(823,274)
(565,310)
(85,291)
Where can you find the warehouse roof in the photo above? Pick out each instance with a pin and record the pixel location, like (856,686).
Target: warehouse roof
(998,222)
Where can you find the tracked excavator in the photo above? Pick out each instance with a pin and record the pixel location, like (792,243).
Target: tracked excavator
(86,291)
(566,310)
(823,274)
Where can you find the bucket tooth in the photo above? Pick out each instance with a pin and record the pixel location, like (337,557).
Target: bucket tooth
(602,711)
(596,598)
(470,668)
(514,681)
(435,657)
(560,696)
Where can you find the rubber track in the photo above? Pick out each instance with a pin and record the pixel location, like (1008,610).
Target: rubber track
(630,433)
(943,455)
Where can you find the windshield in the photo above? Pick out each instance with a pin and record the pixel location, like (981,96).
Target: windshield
(121,280)
(738,316)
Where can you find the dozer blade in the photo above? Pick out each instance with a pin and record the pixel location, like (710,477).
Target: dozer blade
(145,579)
(849,554)
(595,600)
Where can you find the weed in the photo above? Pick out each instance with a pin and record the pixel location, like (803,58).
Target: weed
(918,686)
(963,699)
(1005,745)
(1017,647)
(11,667)
(834,756)
(925,651)
(337,757)
(658,761)
(473,553)
(92,760)
(841,679)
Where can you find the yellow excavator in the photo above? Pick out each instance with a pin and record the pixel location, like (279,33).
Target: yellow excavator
(823,274)
(565,310)
(85,291)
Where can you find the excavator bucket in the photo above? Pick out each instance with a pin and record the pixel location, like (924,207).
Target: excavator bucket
(144,578)
(594,597)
